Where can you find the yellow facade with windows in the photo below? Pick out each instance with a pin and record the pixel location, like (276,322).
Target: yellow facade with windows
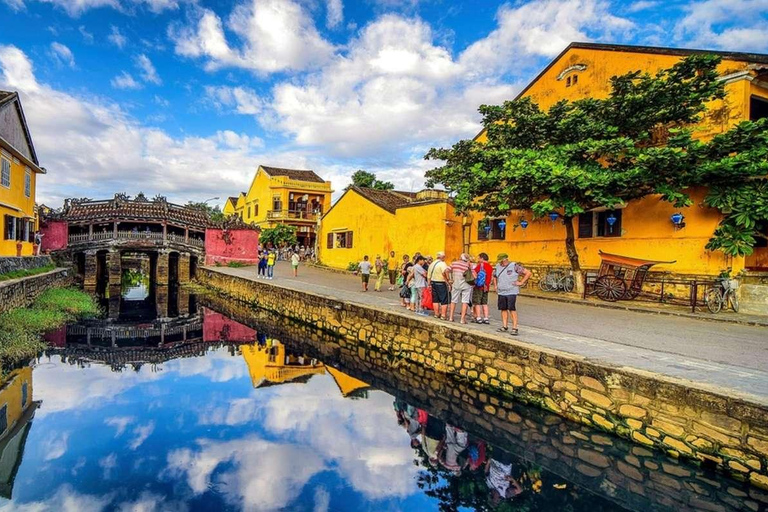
(374,222)
(19,168)
(642,228)
(284,196)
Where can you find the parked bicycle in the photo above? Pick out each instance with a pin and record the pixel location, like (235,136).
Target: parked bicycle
(722,294)
(556,280)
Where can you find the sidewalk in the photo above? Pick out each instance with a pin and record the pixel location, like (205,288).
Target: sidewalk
(723,357)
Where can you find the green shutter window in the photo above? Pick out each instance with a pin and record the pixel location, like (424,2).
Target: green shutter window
(5,173)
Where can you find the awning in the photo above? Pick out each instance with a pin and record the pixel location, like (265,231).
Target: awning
(628,261)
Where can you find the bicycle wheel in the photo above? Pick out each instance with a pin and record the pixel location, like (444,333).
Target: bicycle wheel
(543,283)
(713,298)
(568,284)
(734,301)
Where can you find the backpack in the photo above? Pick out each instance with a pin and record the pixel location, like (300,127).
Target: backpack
(481,277)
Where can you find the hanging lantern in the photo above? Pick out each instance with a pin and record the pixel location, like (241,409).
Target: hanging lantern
(502,225)
(677,220)
(487,229)
(611,220)
(523,223)
(553,216)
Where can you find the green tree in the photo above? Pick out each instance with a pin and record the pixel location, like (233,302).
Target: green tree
(214,212)
(278,236)
(365,179)
(603,153)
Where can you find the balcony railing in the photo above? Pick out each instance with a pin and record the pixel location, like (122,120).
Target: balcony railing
(134,235)
(291,215)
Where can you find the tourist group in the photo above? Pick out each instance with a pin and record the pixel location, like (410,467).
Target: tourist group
(430,285)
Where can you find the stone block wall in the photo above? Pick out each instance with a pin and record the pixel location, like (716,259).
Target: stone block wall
(14,264)
(652,411)
(633,476)
(19,293)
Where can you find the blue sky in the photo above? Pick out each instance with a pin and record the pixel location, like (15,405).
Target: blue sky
(186,98)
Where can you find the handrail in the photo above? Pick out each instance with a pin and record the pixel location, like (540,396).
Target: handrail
(132,235)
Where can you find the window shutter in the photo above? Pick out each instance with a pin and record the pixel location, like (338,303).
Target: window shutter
(329,241)
(349,239)
(19,229)
(585,225)
(7,227)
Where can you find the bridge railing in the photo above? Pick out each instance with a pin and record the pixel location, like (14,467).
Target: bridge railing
(134,235)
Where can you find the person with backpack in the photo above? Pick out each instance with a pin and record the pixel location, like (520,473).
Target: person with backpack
(508,278)
(484,272)
(463,280)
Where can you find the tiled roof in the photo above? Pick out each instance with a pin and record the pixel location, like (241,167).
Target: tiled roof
(387,199)
(124,209)
(6,96)
(294,174)
(232,200)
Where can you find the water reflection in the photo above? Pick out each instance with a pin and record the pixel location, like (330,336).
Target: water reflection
(203,412)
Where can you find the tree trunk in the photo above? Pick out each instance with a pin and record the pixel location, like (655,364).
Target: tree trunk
(573,256)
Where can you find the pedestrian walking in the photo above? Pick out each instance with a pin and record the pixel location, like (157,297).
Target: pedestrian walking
(381,272)
(364,267)
(271,257)
(392,270)
(262,265)
(508,277)
(438,276)
(295,264)
(463,280)
(405,292)
(483,276)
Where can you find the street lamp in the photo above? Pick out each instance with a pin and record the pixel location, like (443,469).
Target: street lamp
(211,199)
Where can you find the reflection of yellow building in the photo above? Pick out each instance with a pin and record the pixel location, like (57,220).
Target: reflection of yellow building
(271,364)
(16,412)
(349,386)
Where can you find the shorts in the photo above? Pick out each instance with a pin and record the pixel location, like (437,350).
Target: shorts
(507,302)
(416,295)
(295,265)
(365,277)
(461,294)
(392,277)
(479,297)
(440,294)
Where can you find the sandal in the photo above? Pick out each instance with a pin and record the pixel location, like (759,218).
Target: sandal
(502,329)
(513,332)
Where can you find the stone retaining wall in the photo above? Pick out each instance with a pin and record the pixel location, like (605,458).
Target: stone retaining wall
(632,476)
(19,293)
(650,410)
(13,264)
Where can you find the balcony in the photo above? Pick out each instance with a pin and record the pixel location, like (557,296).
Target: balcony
(291,215)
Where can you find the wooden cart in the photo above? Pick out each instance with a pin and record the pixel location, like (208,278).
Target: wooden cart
(621,277)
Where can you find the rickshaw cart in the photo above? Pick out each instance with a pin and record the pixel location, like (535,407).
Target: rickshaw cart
(621,277)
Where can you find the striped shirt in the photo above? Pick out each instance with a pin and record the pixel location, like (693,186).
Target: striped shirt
(458,268)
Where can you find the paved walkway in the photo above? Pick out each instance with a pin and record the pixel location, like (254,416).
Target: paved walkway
(729,358)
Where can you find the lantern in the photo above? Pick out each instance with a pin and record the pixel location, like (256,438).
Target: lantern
(611,220)
(523,223)
(487,228)
(553,217)
(677,220)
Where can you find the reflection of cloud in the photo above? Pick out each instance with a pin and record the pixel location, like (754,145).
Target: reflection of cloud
(255,474)
(56,446)
(238,411)
(322,500)
(150,502)
(120,423)
(142,432)
(108,463)
(65,499)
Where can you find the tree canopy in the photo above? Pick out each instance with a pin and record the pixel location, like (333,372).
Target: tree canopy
(214,212)
(365,179)
(279,236)
(602,153)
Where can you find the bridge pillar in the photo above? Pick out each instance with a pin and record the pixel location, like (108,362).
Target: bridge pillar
(183,297)
(115,291)
(161,300)
(115,267)
(91,270)
(161,271)
(184,275)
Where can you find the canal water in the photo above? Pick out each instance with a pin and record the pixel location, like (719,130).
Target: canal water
(215,406)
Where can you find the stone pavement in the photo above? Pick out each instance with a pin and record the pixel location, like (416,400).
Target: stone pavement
(727,358)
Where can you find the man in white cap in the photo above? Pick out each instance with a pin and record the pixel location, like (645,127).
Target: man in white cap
(508,277)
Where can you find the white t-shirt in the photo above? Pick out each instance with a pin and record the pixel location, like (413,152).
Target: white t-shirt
(295,259)
(365,267)
(498,474)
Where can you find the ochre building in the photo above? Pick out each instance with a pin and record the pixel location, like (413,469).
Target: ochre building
(642,228)
(294,197)
(19,168)
(372,222)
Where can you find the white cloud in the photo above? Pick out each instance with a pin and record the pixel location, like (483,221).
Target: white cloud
(117,38)
(120,423)
(75,8)
(62,54)
(56,446)
(65,499)
(335,13)
(642,5)
(87,36)
(125,81)
(141,433)
(274,35)
(15,5)
(107,464)
(737,25)
(241,99)
(148,71)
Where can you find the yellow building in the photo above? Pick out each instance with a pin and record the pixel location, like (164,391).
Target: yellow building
(372,222)
(230,205)
(16,412)
(285,196)
(641,228)
(19,168)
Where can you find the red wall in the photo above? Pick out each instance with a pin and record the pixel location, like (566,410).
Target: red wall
(238,245)
(55,235)
(217,327)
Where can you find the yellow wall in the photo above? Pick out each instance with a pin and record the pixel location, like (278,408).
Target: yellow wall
(10,395)
(15,197)
(647,231)
(376,231)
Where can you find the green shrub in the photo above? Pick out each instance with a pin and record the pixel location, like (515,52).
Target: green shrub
(16,274)
(352,267)
(71,301)
(17,347)
(236,264)
(35,321)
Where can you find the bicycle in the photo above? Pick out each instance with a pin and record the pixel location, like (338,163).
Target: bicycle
(722,294)
(556,280)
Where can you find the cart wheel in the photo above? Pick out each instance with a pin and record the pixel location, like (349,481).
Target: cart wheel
(713,298)
(734,301)
(568,284)
(543,284)
(610,288)
(632,293)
